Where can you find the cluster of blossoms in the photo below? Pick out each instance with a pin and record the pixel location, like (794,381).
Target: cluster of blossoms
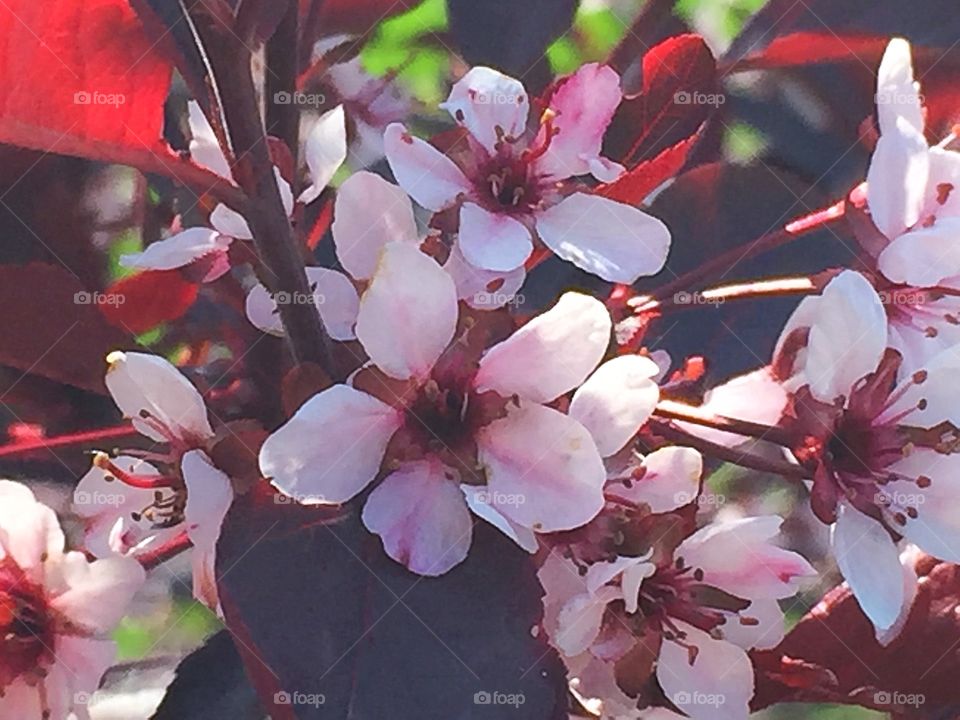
(544,429)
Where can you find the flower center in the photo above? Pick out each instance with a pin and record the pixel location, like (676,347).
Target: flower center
(26,624)
(169,496)
(505,185)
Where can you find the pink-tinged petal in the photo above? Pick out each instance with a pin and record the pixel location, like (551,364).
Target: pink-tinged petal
(490,105)
(145,386)
(763,631)
(671,479)
(209,496)
(897,179)
(474,284)
(584,104)
(616,242)
(94,595)
(551,354)
(179,250)
(204,149)
(631,581)
(20,700)
(936,529)
(908,559)
(493,241)
(333,294)
(422,518)
(483,505)
(80,665)
(561,581)
(547,463)
(736,557)
(716,683)
(615,402)
(578,624)
(359,234)
(870,563)
(934,400)
(603,572)
(29,530)
(847,338)
(331,448)
(408,314)
(756,396)
(944,173)
(111,509)
(924,257)
(232,224)
(632,571)
(324,151)
(898,94)
(428,176)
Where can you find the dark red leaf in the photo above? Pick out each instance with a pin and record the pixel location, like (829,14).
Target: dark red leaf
(51,328)
(140,302)
(635,184)
(807,48)
(679,83)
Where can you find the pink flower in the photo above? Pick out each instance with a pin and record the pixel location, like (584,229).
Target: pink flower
(459,430)
(56,612)
(879,474)
(703,606)
(913,200)
(511,185)
(129,503)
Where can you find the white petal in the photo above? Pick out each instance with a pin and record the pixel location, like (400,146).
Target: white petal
(716,685)
(408,314)
(209,496)
(230,223)
(331,448)
(897,179)
(584,105)
(898,94)
(547,463)
(483,505)
(617,242)
(870,563)
(324,150)
(429,177)
(421,517)
(333,294)
(204,149)
(615,402)
(142,384)
(177,251)
(765,635)
(580,620)
(933,401)
(848,336)
(736,557)
(493,241)
(924,257)
(360,232)
(551,354)
(671,479)
(29,530)
(95,595)
(474,284)
(910,586)
(489,105)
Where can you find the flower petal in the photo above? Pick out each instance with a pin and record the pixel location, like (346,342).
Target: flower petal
(331,448)
(714,684)
(551,354)
(870,563)
(933,400)
(493,241)
(29,530)
(229,222)
(897,179)
(764,633)
(209,496)
(360,235)
(147,386)
(333,294)
(95,595)
(671,479)
(324,151)
(614,241)
(490,105)
(421,517)
(925,257)
(584,104)
(548,463)
(178,251)
(426,174)
(898,94)
(204,148)
(580,620)
(483,505)
(615,402)
(736,557)
(408,314)
(483,289)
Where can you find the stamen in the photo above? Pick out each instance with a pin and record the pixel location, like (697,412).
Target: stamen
(144,482)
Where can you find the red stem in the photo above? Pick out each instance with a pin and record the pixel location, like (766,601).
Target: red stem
(169,550)
(80,438)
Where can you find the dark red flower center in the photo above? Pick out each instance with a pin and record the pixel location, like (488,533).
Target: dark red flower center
(26,624)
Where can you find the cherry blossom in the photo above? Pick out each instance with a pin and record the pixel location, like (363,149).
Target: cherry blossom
(138,500)
(447,416)
(881,468)
(694,610)
(510,184)
(56,612)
